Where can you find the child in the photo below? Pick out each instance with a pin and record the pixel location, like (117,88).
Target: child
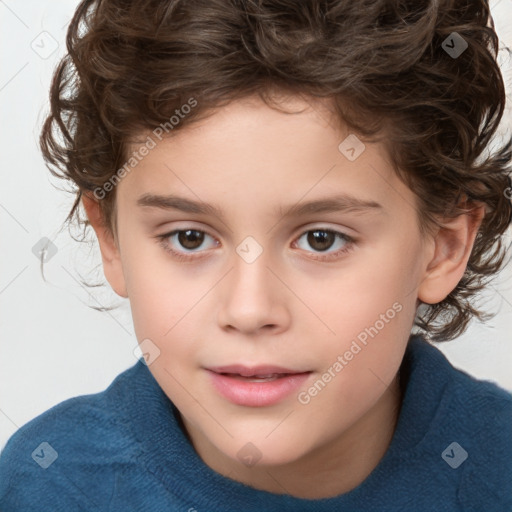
(214,144)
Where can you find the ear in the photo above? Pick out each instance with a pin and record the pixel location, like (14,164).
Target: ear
(453,244)
(110,255)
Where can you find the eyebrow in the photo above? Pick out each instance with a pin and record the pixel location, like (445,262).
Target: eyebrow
(342,202)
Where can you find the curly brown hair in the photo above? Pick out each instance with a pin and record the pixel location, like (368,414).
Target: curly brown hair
(383,63)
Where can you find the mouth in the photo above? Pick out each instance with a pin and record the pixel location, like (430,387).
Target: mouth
(256,386)
(256,378)
(260,371)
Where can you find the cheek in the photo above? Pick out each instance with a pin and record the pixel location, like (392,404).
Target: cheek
(366,293)
(368,324)
(361,360)
(160,295)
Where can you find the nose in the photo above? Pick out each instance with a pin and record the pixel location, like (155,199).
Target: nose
(252,298)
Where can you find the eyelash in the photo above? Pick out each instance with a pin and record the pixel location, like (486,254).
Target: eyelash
(162,241)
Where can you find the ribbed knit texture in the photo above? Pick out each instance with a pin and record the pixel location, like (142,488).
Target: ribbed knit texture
(123,450)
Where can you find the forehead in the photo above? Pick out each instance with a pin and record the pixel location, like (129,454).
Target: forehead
(251,123)
(249,149)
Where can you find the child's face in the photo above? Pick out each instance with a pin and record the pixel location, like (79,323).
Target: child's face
(292,305)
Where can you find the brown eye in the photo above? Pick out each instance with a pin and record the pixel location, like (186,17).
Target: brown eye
(321,239)
(188,244)
(325,240)
(190,238)
(185,244)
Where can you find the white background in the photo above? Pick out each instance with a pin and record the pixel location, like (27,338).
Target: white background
(52,345)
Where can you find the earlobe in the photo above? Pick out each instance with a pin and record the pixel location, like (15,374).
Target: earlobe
(453,245)
(110,255)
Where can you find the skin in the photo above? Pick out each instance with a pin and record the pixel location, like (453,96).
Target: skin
(287,307)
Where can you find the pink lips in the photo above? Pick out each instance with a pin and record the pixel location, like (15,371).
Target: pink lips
(256,386)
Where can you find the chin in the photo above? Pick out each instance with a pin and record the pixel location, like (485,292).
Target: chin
(263,452)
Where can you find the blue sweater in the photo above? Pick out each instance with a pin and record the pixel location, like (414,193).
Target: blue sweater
(123,449)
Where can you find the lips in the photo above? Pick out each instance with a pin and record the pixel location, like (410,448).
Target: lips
(255,378)
(256,386)
(260,371)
